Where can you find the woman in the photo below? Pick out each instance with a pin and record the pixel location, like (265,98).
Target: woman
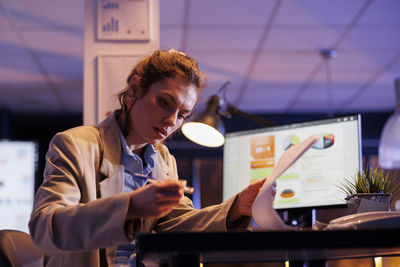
(90,205)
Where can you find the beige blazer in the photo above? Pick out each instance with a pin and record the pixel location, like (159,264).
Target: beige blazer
(79,213)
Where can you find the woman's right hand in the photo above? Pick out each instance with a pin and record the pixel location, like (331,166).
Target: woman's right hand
(155,199)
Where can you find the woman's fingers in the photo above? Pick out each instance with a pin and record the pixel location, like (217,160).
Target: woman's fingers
(156,199)
(256,185)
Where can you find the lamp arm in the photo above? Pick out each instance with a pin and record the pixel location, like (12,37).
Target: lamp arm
(256,119)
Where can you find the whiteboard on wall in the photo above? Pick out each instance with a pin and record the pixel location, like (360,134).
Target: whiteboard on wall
(112,72)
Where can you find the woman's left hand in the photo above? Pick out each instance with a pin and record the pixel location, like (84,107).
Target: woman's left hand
(242,205)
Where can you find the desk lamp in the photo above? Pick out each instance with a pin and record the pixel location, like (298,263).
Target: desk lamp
(207,128)
(389,145)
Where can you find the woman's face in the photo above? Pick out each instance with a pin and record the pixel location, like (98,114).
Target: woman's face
(162,110)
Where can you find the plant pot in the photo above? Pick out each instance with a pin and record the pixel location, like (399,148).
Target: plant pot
(364,202)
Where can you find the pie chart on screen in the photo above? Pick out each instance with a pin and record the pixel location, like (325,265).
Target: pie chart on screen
(290,141)
(326,140)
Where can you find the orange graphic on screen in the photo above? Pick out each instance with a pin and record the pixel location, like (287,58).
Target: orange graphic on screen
(256,164)
(262,147)
(263,153)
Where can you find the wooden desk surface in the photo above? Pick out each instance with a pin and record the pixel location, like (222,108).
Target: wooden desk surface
(217,247)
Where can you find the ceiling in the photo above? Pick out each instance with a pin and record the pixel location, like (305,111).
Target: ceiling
(270,50)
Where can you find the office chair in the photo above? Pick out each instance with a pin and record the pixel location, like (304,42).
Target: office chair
(17,250)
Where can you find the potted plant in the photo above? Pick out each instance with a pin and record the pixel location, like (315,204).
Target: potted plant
(372,191)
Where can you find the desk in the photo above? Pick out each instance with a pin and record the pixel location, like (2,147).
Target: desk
(188,249)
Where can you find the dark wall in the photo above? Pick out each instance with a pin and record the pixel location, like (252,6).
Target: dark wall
(36,127)
(371,128)
(41,127)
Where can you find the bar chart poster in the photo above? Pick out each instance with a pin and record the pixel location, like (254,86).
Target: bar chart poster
(123,20)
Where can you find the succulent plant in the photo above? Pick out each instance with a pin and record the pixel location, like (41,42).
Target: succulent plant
(375,181)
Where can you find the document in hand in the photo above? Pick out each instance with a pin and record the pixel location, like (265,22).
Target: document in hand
(263,212)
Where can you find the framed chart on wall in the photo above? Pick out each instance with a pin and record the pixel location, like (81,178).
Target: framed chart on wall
(123,20)
(112,72)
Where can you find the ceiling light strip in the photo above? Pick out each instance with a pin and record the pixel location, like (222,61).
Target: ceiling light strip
(185,26)
(257,52)
(319,65)
(363,88)
(34,58)
(352,23)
